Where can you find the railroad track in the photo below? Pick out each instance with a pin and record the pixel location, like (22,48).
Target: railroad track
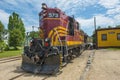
(45,76)
(20,74)
(15,77)
(5,60)
(24,73)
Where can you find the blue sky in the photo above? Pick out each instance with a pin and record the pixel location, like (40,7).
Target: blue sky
(107,12)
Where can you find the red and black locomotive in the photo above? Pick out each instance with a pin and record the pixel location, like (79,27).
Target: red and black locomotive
(60,40)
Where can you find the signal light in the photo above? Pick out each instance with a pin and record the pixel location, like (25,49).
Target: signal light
(46,44)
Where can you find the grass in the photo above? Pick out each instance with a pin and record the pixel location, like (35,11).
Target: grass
(113,48)
(10,53)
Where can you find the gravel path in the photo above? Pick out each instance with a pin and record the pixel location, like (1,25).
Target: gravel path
(12,71)
(106,65)
(9,69)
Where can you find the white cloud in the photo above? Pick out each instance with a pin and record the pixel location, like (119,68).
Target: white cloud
(29,28)
(4,16)
(109,3)
(117,19)
(29,9)
(74,4)
(114,11)
(86,23)
(101,20)
(104,21)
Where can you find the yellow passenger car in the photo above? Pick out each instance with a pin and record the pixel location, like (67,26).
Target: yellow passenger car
(108,37)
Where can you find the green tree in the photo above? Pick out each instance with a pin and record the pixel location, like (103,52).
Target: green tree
(99,27)
(2,44)
(15,38)
(117,26)
(15,22)
(1,30)
(34,34)
(109,26)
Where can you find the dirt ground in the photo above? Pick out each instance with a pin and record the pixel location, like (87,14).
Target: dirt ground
(105,66)
(71,72)
(12,71)
(7,70)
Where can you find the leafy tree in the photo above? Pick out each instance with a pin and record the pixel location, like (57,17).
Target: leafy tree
(117,26)
(99,27)
(16,24)
(15,38)
(1,27)
(109,26)
(2,46)
(34,34)
(1,30)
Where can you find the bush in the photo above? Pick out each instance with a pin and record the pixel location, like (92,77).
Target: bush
(2,46)
(7,48)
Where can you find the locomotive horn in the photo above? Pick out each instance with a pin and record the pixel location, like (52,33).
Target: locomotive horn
(44,6)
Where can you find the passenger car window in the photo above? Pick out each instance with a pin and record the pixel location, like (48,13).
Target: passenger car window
(118,36)
(104,37)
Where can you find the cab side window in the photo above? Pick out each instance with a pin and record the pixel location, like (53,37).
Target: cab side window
(71,26)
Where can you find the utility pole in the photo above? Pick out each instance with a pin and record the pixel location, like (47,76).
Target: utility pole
(95,33)
(95,23)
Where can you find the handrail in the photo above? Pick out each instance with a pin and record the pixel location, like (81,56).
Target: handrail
(58,37)
(66,39)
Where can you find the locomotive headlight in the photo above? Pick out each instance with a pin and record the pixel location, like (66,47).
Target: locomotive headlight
(46,40)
